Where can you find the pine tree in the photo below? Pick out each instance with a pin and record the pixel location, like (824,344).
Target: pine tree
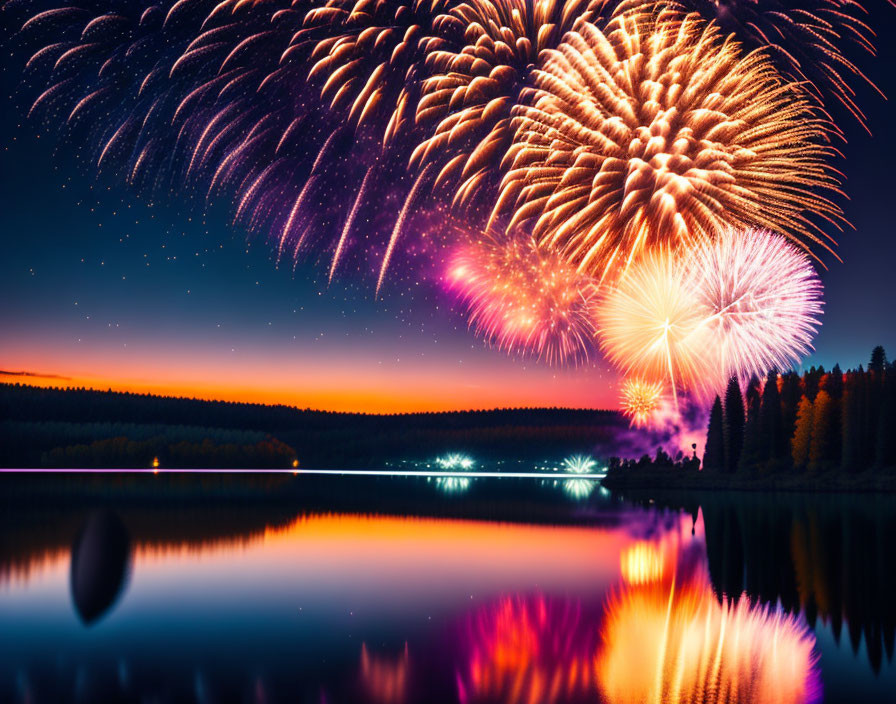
(833,383)
(821,447)
(885,451)
(870,408)
(770,420)
(714,454)
(802,437)
(790,393)
(812,381)
(850,433)
(750,455)
(733,426)
(878,360)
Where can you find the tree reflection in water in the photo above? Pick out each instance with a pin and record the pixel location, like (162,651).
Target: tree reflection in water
(100,564)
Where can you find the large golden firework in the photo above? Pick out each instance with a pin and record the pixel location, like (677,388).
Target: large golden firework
(811,41)
(660,131)
(473,82)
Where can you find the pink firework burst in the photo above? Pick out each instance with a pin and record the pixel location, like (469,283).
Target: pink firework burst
(762,299)
(524,299)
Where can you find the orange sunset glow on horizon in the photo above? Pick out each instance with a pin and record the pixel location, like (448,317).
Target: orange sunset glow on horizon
(327,383)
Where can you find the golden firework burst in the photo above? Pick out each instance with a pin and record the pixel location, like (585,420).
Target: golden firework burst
(640,399)
(659,130)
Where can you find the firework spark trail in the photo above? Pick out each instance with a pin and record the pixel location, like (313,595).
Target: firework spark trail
(660,131)
(399,223)
(348,223)
(367,54)
(523,299)
(293,213)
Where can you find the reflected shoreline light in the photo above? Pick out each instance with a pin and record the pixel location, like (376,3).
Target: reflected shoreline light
(335,472)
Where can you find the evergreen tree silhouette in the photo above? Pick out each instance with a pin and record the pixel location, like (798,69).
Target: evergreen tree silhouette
(791,392)
(714,454)
(751,455)
(850,417)
(733,426)
(885,450)
(770,444)
(878,360)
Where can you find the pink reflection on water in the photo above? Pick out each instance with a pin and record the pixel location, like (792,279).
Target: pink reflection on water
(533,649)
(385,678)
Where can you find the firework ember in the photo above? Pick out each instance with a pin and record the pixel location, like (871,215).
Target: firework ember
(524,299)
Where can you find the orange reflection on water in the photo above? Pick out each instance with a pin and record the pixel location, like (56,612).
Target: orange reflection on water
(642,562)
(385,679)
(646,561)
(21,570)
(672,641)
(533,650)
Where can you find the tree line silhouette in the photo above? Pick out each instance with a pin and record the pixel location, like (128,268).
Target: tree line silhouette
(819,430)
(820,422)
(72,427)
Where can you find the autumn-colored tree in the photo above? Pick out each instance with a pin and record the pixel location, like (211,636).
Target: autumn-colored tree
(824,431)
(802,437)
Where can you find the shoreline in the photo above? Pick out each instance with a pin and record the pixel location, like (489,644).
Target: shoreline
(868,481)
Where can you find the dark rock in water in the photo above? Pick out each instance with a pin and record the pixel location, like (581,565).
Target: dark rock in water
(100,563)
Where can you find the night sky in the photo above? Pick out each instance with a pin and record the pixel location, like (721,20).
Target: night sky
(102,287)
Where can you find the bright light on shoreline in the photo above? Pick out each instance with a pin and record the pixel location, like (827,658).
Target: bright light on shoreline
(338,472)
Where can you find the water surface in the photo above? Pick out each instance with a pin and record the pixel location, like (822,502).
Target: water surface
(401,590)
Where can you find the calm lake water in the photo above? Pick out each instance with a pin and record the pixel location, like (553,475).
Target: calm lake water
(299,589)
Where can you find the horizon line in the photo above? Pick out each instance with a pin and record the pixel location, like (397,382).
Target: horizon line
(110,390)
